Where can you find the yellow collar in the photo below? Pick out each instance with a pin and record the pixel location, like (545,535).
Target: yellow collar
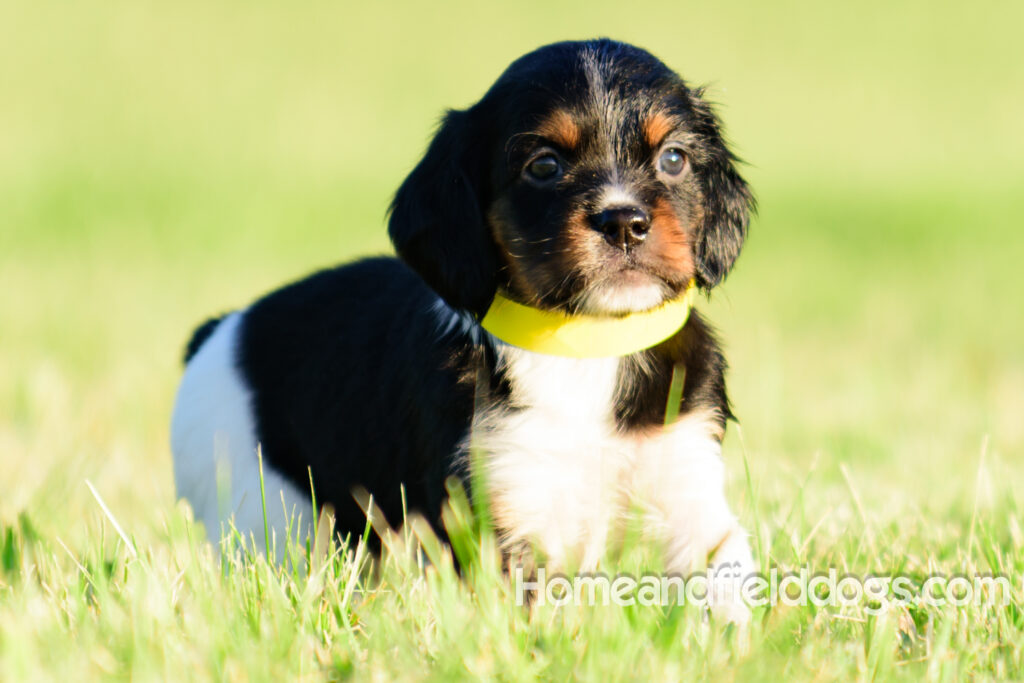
(585,336)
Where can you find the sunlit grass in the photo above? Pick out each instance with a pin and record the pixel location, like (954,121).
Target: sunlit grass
(173,609)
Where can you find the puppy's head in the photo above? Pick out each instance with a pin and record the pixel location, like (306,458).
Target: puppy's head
(589,178)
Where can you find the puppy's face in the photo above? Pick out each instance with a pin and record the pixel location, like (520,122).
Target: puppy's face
(588,179)
(596,201)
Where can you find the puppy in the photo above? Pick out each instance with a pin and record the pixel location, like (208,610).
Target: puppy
(549,243)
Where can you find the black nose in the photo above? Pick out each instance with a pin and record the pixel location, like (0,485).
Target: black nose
(623,227)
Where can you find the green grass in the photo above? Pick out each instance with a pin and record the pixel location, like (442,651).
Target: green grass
(161,162)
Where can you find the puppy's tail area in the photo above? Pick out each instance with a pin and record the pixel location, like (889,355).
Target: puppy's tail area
(201,334)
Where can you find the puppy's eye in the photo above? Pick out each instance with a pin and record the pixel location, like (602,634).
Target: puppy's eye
(544,167)
(672,161)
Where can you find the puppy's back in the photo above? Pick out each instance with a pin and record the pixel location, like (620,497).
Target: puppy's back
(337,373)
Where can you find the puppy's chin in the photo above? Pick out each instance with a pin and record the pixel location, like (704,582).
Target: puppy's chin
(628,292)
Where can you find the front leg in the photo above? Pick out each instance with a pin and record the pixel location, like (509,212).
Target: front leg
(680,483)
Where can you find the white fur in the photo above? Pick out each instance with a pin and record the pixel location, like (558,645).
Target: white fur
(615,196)
(622,298)
(551,471)
(213,432)
(563,478)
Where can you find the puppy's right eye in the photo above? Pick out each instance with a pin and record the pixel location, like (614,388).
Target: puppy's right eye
(544,168)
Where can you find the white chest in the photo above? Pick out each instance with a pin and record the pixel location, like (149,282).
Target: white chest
(562,476)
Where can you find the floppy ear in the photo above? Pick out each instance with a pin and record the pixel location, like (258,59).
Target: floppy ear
(437,222)
(728,201)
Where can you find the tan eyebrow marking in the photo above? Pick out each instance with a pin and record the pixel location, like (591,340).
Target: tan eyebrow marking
(656,127)
(560,128)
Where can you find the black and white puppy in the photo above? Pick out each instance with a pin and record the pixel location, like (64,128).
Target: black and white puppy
(590,183)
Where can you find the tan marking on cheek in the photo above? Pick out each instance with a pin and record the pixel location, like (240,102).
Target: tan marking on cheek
(577,231)
(671,239)
(570,255)
(580,255)
(560,127)
(656,128)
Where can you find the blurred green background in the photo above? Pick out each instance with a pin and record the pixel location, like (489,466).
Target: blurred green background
(162,161)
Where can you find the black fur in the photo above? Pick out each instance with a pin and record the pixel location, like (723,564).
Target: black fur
(646,377)
(351,378)
(729,201)
(437,223)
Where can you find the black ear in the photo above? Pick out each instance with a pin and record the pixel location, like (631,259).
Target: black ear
(437,223)
(728,202)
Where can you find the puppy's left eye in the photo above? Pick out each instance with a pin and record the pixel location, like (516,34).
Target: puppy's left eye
(672,161)
(544,168)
